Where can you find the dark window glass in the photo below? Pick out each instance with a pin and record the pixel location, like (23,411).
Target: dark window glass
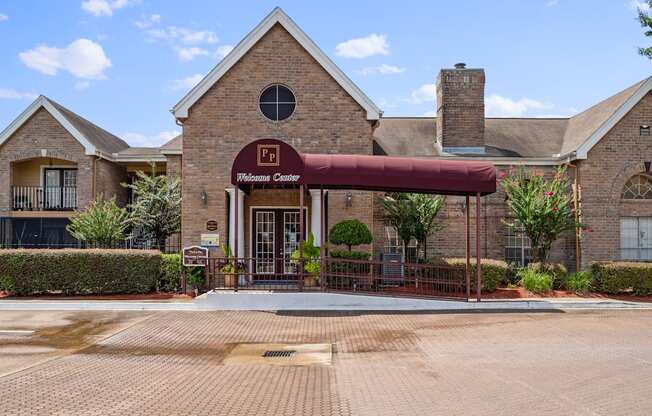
(285,111)
(277,102)
(269,111)
(644,130)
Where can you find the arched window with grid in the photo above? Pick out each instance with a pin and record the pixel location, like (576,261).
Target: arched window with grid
(638,187)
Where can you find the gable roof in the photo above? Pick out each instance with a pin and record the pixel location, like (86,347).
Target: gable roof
(276,16)
(94,139)
(173,147)
(587,128)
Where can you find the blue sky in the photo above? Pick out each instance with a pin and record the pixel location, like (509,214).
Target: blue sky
(124,63)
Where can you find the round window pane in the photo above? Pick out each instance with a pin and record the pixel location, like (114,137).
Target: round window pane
(277,102)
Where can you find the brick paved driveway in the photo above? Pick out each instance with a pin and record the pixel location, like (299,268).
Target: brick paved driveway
(579,363)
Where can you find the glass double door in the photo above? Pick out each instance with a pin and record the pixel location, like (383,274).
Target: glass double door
(276,234)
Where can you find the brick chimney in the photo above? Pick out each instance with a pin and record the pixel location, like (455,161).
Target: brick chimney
(460,109)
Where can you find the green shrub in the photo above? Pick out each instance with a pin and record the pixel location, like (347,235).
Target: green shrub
(534,281)
(169,279)
(350,255)
(7,284)
(558,272)
(79,272)
(619,277)
(350,233)
(493,272)
(579,282)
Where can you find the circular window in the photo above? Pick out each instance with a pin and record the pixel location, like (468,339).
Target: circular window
(277,102)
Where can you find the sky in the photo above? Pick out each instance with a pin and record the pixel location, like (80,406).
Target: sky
(123,64)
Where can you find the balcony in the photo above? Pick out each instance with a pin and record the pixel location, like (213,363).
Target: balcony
(49,198)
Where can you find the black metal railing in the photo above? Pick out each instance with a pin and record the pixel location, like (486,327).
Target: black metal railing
(38,198)
(338,275)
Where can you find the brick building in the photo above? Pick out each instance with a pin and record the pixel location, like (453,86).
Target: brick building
(278,84)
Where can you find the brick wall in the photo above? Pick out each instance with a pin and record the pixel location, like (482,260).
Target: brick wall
(42,133)
(460,107)
(109,177)
(227,117)
(618,156)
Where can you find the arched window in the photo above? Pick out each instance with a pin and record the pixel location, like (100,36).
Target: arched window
(638,187)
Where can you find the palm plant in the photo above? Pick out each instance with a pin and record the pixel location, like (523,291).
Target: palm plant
(103,223)
(156,209)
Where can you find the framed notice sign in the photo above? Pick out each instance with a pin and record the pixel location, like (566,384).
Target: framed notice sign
(210,240)
(195,256)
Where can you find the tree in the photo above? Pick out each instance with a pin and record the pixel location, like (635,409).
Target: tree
(103,223)
(413,216)
(156,209)
(427,208)
(645,20)
(350,233)
(543,207)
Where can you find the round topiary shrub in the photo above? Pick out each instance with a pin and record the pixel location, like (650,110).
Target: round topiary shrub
(350,233)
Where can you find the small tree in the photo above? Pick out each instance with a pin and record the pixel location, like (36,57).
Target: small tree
(645,20)
(427,208)
(157,206)
(543,207)
(350,233)
(413,216)
(401,215)
(103,223)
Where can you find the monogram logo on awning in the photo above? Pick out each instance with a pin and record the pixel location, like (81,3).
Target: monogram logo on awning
(268,155)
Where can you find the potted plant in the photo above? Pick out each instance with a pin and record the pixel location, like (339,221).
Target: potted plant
(229,269)
(312,261)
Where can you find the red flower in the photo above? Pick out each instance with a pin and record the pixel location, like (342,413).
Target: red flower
(550,193)
(554,209)
(503,174)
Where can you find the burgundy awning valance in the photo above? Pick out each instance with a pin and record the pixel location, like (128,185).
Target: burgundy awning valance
(273,162)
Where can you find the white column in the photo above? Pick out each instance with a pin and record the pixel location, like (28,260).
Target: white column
(241,224)
(315,215)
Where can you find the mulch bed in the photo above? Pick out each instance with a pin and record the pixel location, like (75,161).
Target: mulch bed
(521,293)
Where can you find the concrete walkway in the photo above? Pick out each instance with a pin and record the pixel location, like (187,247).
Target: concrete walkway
(266,301)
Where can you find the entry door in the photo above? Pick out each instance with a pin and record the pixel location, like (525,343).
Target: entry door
(60,188)
(275,236)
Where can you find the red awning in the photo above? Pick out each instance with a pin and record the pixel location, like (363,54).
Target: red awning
(401,174)
(271,162)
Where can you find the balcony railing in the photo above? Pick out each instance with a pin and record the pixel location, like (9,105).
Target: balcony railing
(37,198)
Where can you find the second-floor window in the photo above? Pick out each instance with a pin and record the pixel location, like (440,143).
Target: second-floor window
(60,188)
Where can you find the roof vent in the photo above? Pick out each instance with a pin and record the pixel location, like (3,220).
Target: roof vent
(460,65)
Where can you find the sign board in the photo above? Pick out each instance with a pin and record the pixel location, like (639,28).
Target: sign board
(267,161)
(195,256)
(268,155)
(211,225)
(210,240)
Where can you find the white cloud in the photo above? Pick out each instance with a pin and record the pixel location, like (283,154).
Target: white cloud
(143,140)
(3,17)
(105,7)
(432,113)
(423,94)
(186,83)
(82,85)
(83,58)
(223,50)
(552,3)
(188,54)
(383,69)
(183,35)
(363,47)
(148,22)
(11,94)
(498,106)
(640,5)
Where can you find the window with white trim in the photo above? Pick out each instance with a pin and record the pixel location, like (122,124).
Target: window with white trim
(636,238)
(393,244)
(518,248)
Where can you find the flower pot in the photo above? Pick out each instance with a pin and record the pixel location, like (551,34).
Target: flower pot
(309,281)
(229,280)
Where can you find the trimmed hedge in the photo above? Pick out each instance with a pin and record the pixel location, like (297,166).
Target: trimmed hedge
(79,272)
(169,279)
(557,271)
(620,276)
(536,281)
(493,272)
(350,255)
